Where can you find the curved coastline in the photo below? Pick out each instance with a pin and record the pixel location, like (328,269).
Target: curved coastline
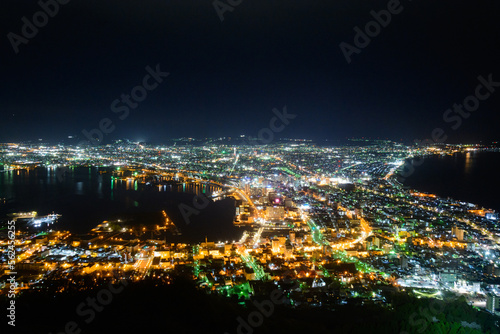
(422,177)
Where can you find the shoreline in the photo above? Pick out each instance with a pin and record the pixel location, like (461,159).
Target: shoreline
(396,177)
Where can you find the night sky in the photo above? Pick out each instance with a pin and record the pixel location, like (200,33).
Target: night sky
(225,77)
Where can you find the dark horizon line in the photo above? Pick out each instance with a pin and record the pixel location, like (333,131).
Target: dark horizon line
(241,140)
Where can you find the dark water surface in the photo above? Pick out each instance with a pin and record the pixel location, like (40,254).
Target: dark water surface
(85,198)
(471,177)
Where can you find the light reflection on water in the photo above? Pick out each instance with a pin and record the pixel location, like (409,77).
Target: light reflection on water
(470,176)
(469,162)
(85,197)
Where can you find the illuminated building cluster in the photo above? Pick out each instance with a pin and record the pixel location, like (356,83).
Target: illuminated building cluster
(333,219)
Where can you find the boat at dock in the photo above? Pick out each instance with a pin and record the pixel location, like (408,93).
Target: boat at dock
(33,219)
(22,215)
(48,219)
